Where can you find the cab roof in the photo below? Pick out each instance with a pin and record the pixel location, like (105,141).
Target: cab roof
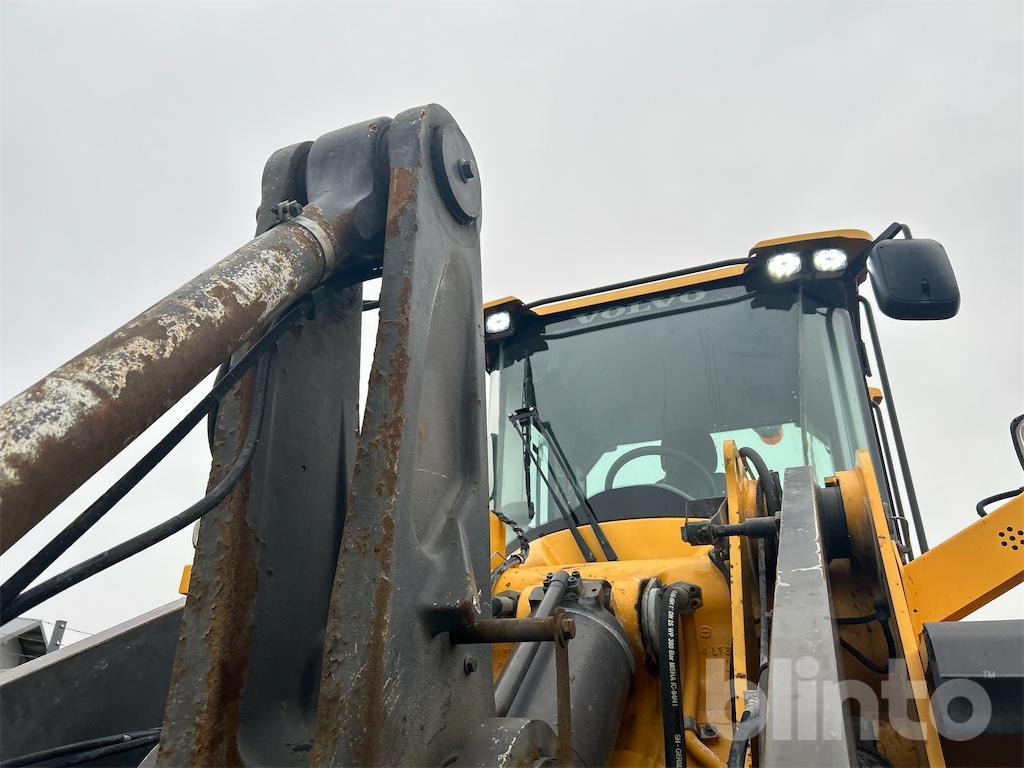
(851,240)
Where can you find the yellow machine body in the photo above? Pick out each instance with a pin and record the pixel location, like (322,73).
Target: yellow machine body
(720,639)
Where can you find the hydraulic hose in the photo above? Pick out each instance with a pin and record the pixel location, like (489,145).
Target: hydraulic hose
(740,744)
(680,681)
(764,477)
(669,647)
(54,585)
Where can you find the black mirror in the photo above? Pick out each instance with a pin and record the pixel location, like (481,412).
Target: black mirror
(913,280)
(1017,433)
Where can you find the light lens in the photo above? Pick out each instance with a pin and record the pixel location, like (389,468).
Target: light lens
(830,260)
(497,322)
(783,266)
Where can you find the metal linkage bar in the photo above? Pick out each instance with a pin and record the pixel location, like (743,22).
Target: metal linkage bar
(803,649)
(413,558)
(61,430)
(261,578)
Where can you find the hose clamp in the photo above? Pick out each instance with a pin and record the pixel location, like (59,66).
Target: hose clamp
(318,232)
(291,210)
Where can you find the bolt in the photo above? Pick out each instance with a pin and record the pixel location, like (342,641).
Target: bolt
(466,170)
(708,733)
(469,665)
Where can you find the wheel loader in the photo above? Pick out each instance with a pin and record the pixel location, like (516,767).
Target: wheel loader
(665,522)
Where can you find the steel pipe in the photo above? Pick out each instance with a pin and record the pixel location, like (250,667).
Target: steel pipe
(518,663)
(529,630)
(61,430)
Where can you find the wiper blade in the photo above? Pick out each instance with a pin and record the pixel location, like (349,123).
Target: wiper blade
(570,522)
(523,419)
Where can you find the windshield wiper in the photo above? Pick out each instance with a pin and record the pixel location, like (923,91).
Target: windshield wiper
(525,418)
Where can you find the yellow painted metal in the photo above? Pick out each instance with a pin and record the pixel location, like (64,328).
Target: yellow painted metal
(734,487)
(876,395)
(186,577)
(694,746)
(854,235)
(969,569)
(499,302)
(650,548)
(653,538)
(636,291)
(892,569)
(646,289)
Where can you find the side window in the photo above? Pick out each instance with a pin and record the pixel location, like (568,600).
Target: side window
(781,447)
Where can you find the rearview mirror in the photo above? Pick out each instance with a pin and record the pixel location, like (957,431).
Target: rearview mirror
(913,280)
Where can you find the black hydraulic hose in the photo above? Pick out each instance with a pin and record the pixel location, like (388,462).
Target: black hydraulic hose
(980,507)
(60,543)
(882,617)
(62,581)
(850,620)
(876,668)
(764,477)
(211,417)
(740,744)
(670,672)
(81,751)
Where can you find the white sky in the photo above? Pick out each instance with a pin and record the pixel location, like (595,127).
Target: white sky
(614,140)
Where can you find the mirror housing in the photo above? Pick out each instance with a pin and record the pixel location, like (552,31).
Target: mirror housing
(1017,435)
(913,280)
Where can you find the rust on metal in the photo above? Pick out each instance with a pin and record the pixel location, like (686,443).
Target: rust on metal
(565,630)
(61,430)
(209,668)
(527,630)
(393,693)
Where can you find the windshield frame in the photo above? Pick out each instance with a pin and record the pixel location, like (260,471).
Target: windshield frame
(834,295)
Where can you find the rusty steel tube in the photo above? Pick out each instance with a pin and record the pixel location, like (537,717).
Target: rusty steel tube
(61,430)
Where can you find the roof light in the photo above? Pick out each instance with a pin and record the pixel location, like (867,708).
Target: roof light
(783,266)
(497,322)
(830,260)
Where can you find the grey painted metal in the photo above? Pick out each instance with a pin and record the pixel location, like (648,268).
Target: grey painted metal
(394,690)
(57,636)
(247,666)
(113,682)
(509,742)
(600,670)
(982,659)
(519,660)
(61,430)
(804,654)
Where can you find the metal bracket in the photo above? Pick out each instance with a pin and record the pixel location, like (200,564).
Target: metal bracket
(558,628)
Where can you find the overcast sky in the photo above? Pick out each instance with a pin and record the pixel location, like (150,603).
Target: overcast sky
(614,140)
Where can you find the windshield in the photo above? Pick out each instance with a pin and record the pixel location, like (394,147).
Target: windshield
(646,394)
